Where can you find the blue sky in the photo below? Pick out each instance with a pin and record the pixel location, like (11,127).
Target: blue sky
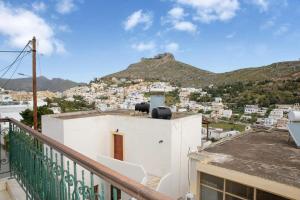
(81,39)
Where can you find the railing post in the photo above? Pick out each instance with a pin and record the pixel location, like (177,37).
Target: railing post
(92,192)
(10,148)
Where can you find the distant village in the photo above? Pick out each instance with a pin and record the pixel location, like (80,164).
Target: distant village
(124,94)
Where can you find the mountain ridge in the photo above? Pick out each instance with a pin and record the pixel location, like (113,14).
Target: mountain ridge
(43,83)
(164,67)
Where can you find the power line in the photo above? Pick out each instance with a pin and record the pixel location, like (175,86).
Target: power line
(7,68)
(39,63)
(3,51)
(17,67)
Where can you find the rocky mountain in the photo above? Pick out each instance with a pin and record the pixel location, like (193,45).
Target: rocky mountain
(43,83)
(165,67)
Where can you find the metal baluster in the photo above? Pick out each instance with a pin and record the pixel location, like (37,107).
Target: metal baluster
(52,188)
(92,192)
(102,192)
(62,180)
(57,194)
(83,186)
(69,180)
(75,194)
(115,194)
(10,148)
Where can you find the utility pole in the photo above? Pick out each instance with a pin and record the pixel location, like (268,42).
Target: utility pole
(34,92)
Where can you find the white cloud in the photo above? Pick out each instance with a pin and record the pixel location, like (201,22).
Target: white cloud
(20,25)
(212,10)
(144,46)
(60,48)
(231,35)
(263,4)
(176,17)
(64,28)
(176,13)
(172,47)
(137,18)
(39,6)
(185,26)
(65,6)
(282,30)
(268,24)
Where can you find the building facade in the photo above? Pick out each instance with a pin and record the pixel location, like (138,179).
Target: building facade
(150,151)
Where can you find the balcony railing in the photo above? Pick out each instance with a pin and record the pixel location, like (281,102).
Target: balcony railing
(49,170)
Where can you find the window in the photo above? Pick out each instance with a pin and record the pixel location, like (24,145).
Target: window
(228,197)
(239,190)
(261,195)
(212,181)
(210,194)
(212,188)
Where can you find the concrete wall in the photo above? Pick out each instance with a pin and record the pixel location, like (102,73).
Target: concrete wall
(160,146)
(164,185)
(186,136)
(133,171)
(142,144)
(90,136)
(53,128)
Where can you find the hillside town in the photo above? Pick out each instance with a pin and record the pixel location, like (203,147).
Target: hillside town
(150,100)
(114,94)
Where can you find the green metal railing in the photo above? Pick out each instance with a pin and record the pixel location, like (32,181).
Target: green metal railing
(48,170)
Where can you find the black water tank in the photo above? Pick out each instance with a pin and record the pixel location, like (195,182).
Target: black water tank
(142,107)
(161,113)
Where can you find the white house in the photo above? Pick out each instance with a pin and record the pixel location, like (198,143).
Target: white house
(249,109)
(276,114)
(227,113)
(262,111)
(270,122)
(5,98)
(150,151)
(218,99)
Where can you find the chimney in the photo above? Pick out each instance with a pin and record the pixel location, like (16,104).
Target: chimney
(156,100)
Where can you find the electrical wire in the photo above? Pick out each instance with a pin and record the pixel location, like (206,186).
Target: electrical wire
(18,60)
(1,51)
(15,60)
(17,67)
(39,63)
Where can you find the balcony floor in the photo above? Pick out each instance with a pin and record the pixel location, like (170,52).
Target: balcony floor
(4,195)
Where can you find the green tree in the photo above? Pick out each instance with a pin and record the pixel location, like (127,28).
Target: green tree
(172,98)
(27,115)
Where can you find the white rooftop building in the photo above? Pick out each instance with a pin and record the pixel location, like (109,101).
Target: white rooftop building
(150,151)
(249,109)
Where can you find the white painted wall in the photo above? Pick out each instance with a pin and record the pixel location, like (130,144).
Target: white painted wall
(141,142)
(93,137)
(186,136)
(53,128)
(89,136)
(164,185)
(133,171)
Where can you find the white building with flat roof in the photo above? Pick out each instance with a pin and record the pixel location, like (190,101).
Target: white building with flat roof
(249,109)
(150,151)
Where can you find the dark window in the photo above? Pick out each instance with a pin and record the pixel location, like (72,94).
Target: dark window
(212,181)
(228,197)
(239,189)
(210,194)
(261,195)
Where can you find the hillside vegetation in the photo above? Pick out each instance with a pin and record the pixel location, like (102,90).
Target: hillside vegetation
(164,67)
(264,93)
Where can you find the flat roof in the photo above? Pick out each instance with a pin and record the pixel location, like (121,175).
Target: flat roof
(262,153)
(119,112)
